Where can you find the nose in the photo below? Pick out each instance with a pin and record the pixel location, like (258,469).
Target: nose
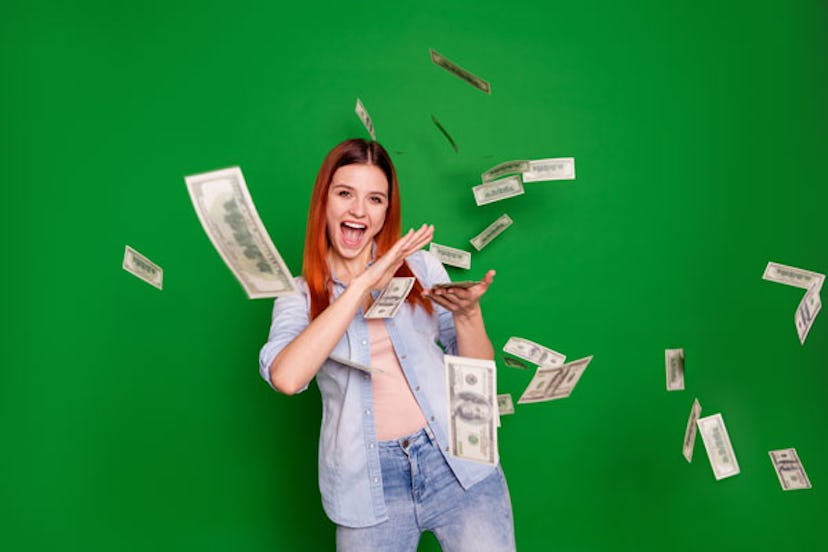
(357,207)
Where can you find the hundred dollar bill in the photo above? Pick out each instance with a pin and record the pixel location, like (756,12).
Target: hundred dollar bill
(789,469)
(503,169)
(558,168)
(505,404)
(451,256)
(492,231)
(445,132)
(463,284)
(550,384)
(807,311)
(140,266)
(458,71)
(717,443)
(534,353)
(489,192)
(362,113)
(674,360)
(793,276)
(472,408)
(229,218)
(391,298)
(353,364)
(690,432)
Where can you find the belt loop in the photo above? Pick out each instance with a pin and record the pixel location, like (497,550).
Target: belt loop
(430,434)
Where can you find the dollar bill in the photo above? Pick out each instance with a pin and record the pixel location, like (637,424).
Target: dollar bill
(445,132)
(140,266)
(792,276)
(514,363)
(674,361)
(458,71)
(505,404)
(492,231)
(463,284)
(451,256)
(362,113)
(472,408)
(503,169)
(789,469)
(229,218)
(690,432)
(354,364)
(496,190)
(550,384)
(717,443)
(391,298)
(558,168)
(806,312)
(534,353)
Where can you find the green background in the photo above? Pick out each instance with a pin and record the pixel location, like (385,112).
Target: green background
(135,419)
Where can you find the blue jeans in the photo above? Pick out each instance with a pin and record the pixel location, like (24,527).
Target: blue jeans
(422,494)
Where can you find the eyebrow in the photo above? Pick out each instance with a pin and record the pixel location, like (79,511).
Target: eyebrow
(340,185)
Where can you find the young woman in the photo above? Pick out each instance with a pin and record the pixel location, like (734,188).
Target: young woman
(385,473)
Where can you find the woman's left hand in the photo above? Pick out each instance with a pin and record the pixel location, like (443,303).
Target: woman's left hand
(461,302)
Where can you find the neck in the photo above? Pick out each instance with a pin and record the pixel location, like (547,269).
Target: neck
(347,269)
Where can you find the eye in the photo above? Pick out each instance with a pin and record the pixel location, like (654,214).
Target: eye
(343,193)
(377,199)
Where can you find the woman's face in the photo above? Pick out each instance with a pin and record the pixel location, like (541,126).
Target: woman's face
(357,202)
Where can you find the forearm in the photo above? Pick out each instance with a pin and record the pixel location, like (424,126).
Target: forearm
(298,362)
(472,339)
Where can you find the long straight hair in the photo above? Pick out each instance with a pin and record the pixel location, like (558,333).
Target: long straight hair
(315,262)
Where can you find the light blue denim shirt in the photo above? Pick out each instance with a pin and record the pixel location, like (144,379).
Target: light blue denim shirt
(349,467)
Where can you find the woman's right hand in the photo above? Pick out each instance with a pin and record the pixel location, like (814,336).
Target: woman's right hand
(383,269)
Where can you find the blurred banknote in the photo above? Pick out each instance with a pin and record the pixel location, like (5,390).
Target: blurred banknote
(362,113)
(806,312)
(353,364)
(472,408)
(789,469)
(558,168)
(503,169)
(450,255)
(674,360)
(445,133)
(391,298)
(717,443)
(229,218)
(459,72)
(140,266)
(514,363)
(492,231)
(462,284)
(505,404)
(550,384)
(792,276)
(534,353)
(496,190)
(690,432)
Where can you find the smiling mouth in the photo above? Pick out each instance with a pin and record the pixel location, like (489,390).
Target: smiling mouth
(352,233)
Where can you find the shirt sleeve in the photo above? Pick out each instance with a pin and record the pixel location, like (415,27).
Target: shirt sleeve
(290,317)
(435,273)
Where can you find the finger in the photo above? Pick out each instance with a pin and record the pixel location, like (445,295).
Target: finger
(440,300)
(489,277)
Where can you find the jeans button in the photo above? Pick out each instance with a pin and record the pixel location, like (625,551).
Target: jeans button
(405,443)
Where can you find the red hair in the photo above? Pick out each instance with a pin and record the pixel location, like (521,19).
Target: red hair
(315,262)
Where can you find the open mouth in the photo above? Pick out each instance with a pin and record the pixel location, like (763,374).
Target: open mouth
(352,233)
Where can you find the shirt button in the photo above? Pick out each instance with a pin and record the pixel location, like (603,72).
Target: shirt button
(403,357)
(370,445)
(376,480)
(367,412)
(365,342)
(417,388)
(432,418)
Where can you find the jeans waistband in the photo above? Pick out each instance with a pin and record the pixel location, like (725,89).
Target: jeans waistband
(420,437)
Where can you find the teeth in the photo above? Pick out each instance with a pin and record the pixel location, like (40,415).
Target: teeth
(354,225)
